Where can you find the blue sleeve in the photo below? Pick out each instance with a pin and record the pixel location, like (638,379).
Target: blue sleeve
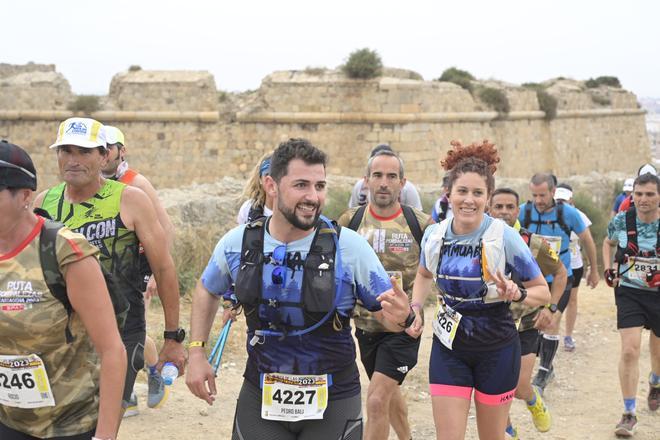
(519,259)
(217,276)
(368,273)
(574,220)
(616,224)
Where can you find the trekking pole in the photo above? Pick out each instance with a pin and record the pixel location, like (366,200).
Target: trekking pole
(218,348)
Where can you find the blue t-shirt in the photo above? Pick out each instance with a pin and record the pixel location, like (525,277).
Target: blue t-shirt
(483,325)
(617,202)
(634,271)
(363,277)
(550,228)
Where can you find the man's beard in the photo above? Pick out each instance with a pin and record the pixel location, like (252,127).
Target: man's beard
(384,201)
(291,217)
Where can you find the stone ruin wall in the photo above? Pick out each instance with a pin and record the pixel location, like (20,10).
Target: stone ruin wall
(180,130)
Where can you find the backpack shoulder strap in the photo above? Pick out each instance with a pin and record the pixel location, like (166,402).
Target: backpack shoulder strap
(527,218)
(354,224)
(51,269)
(560,219)
(413,223)
(631,229)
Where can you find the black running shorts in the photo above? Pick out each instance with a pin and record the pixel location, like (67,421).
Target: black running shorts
(342,420)
(577,276)
(529,341)
(637,308)
(392,354)
(7,433)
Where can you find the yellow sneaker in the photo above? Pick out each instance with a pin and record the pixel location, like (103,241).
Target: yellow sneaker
(540,414)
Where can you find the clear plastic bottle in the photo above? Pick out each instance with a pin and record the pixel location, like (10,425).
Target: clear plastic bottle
(169,373)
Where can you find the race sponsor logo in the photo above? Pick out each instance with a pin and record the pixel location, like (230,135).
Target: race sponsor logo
(19,292)
(77,127)
(96,232)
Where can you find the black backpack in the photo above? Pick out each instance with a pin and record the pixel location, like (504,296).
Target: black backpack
(408,213)
(55,281)
(632,247)
(527,219)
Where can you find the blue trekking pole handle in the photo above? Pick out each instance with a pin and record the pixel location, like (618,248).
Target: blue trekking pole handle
(221,344)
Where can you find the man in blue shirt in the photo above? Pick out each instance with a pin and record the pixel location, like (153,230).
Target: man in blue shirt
(297,279)
(554,222)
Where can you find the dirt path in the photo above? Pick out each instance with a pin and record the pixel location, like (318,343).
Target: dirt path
(584,398)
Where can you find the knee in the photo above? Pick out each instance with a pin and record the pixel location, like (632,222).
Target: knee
(630,353)
(377,403)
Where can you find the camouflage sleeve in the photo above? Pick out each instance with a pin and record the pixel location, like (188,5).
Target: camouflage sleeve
(547,259)
(422,218)
(72,247)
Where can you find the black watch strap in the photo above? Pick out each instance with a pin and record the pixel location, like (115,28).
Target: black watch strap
(177,335)
(409,320)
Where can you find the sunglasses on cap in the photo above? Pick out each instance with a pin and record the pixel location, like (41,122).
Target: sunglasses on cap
(11,165)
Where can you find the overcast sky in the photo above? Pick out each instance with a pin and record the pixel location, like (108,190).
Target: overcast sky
(242,41)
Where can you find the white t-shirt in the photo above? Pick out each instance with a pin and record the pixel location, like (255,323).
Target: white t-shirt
(360,195)
(574,247)
(243,212)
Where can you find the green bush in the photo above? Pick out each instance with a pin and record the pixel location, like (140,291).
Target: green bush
(336,203)
(134,68)
(533,86)
(314,71)
(495,99)
(363,64)
(86,104)
(611,81)
(547,103)
(461,78)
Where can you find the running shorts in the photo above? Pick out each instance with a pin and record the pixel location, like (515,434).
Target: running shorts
(529,341)
(577,276)
(342,420)
(7,433)
(392,354)
(493,373)
(637,308)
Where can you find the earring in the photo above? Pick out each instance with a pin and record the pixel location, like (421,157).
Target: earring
(26,207)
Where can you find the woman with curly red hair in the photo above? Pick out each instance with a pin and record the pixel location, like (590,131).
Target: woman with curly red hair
(471,257)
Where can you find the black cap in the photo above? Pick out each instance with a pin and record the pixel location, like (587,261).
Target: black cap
(379,148)
(16,167)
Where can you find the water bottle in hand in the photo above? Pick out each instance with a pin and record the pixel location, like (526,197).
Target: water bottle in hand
(169,373)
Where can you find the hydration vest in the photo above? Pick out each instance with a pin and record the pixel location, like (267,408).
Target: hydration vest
(256,212)
(55,280)
(632,247)
(559,205)
(319,290)
(492,258)
(408,213)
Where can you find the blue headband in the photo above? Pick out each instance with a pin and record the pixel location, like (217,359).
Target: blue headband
(264,169)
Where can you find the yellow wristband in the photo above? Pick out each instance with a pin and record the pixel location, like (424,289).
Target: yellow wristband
(197,344)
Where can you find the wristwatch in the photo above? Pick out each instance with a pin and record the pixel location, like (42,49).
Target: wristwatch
(523,295)
(178,335)
(409,320)
(551,307)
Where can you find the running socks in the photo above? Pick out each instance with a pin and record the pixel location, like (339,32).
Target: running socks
(549,344)
(654,379)
(532,402)
(629,406)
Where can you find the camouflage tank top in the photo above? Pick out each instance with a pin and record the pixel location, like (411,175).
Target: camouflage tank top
(48,388)
(397,250)
(98,220)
